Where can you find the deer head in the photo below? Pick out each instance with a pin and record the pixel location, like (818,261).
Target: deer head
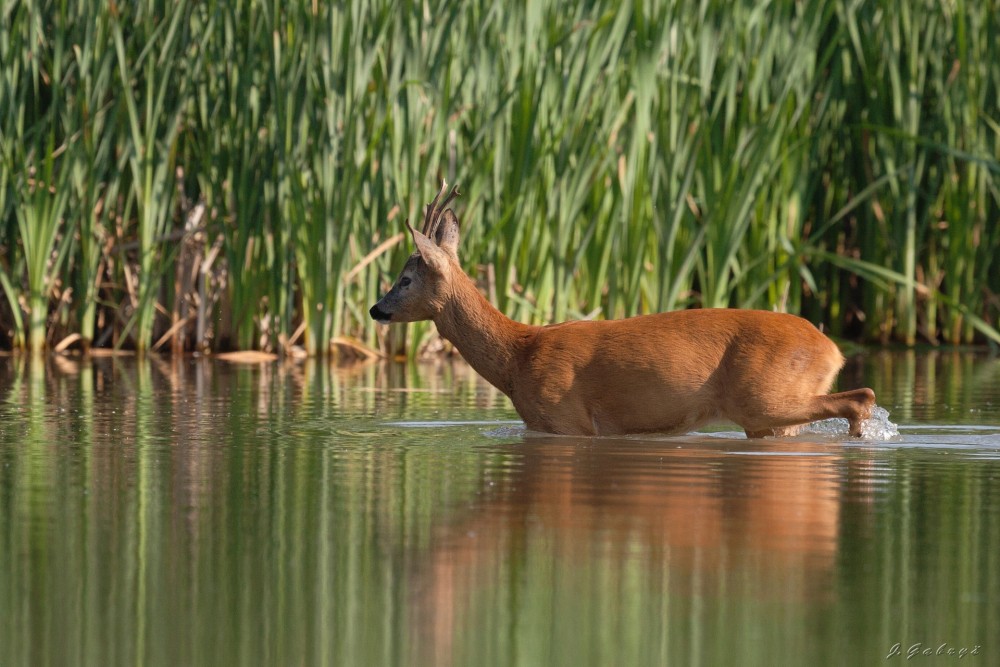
(422,288)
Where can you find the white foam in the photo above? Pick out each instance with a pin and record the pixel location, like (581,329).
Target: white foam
(439,423)
(512,431)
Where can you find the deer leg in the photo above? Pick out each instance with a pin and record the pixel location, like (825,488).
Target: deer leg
(777,432)
(855,406)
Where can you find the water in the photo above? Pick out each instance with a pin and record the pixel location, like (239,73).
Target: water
(197,513)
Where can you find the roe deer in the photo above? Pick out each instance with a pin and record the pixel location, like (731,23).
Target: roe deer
(665,373)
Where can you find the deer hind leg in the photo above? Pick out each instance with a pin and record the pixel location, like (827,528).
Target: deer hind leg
(855,406)
(776,432)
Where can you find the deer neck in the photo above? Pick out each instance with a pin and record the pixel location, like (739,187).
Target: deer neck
(488,340)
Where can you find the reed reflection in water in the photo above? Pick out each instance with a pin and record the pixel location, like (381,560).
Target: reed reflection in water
(190,512)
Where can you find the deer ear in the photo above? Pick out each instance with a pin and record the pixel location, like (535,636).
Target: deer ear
(435,258)
(447,235)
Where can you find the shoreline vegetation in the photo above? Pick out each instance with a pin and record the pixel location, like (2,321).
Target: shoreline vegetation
(213,176)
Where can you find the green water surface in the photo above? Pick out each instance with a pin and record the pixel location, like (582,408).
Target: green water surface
(191,512)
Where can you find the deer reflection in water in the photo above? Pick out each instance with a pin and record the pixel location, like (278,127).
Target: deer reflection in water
(695,513)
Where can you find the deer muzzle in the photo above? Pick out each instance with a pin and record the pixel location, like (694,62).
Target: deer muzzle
(379,315)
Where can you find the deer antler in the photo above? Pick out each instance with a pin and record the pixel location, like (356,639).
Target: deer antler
(432,214)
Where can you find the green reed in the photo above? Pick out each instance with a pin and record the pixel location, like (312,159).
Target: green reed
(834,158)
(35,175)
(154,87)
(88,119)
(18,81)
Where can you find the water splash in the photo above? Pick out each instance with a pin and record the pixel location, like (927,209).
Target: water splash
(877,428)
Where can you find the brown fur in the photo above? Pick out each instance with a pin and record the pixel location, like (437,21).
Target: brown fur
(668,373)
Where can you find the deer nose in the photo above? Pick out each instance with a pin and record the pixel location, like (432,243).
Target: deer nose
(378,314)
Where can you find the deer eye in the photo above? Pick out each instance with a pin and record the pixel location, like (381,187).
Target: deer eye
(404,281)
